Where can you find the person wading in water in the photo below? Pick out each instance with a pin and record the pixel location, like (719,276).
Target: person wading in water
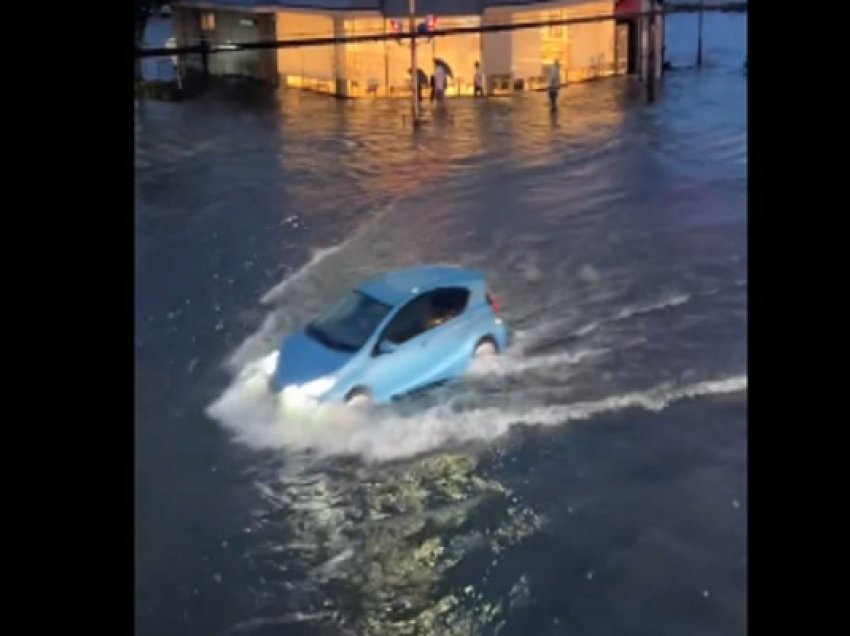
(554,85)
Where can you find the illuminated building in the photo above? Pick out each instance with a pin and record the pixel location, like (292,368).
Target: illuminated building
(510,60)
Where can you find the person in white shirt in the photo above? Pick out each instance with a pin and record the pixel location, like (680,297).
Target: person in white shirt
(440,81)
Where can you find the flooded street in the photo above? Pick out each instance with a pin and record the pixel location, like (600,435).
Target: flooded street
(590,481)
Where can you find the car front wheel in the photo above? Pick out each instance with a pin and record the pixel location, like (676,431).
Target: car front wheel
(358,399)
(485,349)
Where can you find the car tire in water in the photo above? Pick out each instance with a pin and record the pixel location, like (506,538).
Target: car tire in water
(358,398)
(485,348)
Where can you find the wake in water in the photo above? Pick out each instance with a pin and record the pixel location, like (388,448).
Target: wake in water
(589,359)
(462,415)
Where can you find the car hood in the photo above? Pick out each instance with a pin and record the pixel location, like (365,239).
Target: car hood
(303,359)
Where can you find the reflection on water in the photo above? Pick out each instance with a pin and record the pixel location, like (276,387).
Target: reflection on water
(376,542)
(615,235)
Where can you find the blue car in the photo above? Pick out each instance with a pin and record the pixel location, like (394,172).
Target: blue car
(394,334)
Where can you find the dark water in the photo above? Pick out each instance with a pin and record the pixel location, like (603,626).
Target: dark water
(591,481)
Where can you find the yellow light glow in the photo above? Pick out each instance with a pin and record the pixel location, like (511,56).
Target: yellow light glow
(515,60)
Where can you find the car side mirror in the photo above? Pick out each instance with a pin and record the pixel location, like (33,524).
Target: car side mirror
(385,347)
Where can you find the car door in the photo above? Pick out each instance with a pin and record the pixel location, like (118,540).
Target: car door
(447,347)
(393,373)
(429,337)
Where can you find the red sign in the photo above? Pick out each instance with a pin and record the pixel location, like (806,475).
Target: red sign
(395,26)
(626,7)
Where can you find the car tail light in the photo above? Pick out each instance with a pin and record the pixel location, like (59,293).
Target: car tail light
(493,302)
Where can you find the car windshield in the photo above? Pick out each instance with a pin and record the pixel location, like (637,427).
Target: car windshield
(349,323)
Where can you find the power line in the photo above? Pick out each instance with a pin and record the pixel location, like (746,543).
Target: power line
(205,48)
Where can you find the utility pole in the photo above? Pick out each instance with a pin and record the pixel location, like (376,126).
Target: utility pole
(651,61)
(414,67)
(699,36)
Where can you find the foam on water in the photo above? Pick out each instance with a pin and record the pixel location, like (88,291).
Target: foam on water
(672,300)
(278,291)
(256,418)
(527,340)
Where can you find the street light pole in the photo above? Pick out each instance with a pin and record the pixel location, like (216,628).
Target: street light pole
(651,58)
(699,36)
(414,68)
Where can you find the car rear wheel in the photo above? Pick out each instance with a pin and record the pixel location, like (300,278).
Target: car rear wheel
(485,349)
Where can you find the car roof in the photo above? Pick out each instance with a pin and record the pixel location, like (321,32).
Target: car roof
(397,286)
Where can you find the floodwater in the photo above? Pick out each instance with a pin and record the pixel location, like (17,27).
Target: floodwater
(590,481)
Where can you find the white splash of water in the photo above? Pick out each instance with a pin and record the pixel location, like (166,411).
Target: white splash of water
(586,329)
(278,291)
(368,250)
(256,419)
(637,310)
(514,362)
(530,338)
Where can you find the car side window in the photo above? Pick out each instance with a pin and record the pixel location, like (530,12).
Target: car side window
(410,321)
(426,312)
(447,303)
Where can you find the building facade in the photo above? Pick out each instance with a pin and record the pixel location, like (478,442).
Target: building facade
(510,60)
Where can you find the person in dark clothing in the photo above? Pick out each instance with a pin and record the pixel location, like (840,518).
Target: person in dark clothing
(554,85)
